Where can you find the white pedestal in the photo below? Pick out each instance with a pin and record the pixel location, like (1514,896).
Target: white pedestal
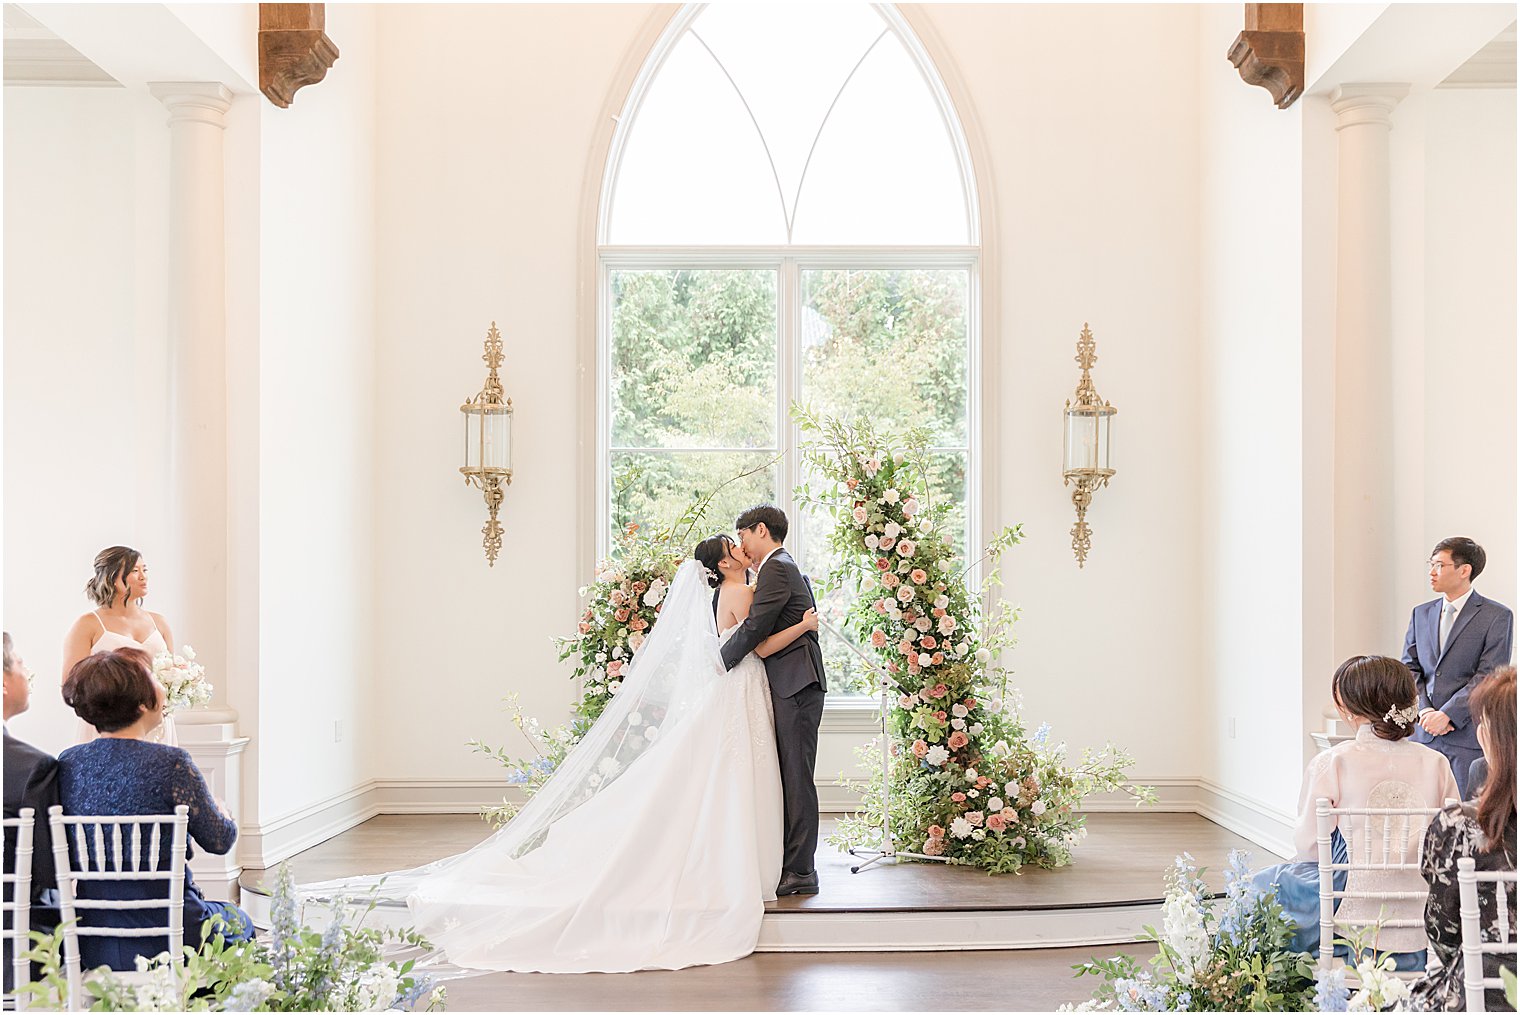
(210,735)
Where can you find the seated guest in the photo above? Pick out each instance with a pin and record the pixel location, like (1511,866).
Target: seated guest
(123,772)
(31,780)
(1484,830)
(1380,767)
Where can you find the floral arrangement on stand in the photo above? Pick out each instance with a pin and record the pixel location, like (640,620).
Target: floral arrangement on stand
(292,968)
(967,784)
(184,680)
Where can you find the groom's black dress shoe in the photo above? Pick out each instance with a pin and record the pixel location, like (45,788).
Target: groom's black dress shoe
(797,884)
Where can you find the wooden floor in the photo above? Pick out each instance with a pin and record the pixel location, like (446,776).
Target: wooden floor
(882,981)
(1124,859)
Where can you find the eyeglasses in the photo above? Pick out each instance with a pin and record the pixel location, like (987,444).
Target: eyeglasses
(1441,565)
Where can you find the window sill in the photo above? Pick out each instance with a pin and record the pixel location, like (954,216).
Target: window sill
(851,715)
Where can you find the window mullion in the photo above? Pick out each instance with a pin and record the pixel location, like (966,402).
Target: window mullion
(788,319)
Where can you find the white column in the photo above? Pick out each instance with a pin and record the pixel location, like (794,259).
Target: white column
(1365,560)
(198,386)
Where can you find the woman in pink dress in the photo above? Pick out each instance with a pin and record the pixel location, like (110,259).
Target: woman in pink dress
(118,588)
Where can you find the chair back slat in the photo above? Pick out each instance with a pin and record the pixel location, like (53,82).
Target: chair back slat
(1388,834)
(18,912)
(137,868)
(1474,982)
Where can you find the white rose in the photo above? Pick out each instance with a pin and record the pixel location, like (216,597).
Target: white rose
(1037,808)
(612,688)
(905,593)
(1012,788)
(634,719)
(982,655)
(976,729)
(971,775)
(650,732)
(924,659)
(941,602)
(601,657)
(957,724)
(960,828)
(871,542)
(995,804)
(892,496)
(617,651)
(959,710)
(891,530)
(979,834)
(944,565)
(608,767)
(922,623)
(938,755)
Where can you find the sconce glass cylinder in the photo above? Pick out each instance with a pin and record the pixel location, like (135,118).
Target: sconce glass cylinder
(487,438)
(1088,441)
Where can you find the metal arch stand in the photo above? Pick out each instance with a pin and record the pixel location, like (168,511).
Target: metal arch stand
(889,850)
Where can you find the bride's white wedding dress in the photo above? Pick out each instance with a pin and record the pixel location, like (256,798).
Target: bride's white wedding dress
(654,846)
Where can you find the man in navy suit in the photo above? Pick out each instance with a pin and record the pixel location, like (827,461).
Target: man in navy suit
(1452,641)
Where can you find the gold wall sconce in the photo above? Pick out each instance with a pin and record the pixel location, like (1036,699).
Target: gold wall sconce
(488,443)
(1086,444)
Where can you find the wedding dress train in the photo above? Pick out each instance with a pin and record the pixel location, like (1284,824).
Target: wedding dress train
(654,846)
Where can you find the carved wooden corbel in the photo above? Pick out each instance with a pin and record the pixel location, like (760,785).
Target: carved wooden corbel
(294,50)
(1270,52)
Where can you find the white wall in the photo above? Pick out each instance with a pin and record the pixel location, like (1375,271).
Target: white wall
(319,580)
(1249,386)
(86,380)
(1468,364)
(490,113)
(480,191)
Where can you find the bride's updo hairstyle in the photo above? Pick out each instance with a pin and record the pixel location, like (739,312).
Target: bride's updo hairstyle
(110,564)
(1380,690)
(710,552)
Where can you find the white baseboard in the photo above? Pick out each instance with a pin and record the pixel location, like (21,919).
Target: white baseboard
(262,846)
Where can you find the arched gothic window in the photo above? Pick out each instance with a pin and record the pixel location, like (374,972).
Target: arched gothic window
(788,215)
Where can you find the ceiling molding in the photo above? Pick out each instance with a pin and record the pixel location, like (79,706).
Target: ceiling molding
(1493,66)
(36,56)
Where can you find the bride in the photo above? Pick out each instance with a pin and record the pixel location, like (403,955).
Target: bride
(658,841)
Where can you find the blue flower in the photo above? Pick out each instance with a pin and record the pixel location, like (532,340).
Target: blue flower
(516,777)
(1140,994)
(421,985)
(1330,991)
(1042,734)
(543,765)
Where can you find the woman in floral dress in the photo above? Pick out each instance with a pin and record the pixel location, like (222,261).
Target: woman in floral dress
(1483,829)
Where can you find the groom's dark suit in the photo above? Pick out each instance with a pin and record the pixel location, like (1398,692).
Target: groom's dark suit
(795,674)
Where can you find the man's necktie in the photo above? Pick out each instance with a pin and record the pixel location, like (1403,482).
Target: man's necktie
(1448,617)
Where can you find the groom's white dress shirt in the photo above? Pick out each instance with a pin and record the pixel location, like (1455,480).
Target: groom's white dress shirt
(768,556)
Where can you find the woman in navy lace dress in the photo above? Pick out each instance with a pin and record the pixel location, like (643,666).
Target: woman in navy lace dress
(124,773)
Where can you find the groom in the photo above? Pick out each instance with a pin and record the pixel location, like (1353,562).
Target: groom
(795,674)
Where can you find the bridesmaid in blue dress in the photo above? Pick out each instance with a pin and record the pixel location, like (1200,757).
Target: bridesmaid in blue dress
(124,772)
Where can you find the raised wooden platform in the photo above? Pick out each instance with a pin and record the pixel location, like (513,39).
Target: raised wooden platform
(1105,897)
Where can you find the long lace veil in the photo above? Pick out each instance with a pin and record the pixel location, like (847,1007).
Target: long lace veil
(665,687)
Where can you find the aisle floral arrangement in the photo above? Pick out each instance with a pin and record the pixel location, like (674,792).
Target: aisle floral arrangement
(1232,954)
(184,680)
(291,968)
(966,782)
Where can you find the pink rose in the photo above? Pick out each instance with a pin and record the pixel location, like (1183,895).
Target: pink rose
(995,823)
(860,515)
(585,628)
(635,640)
(938,659)
(887,542)
(941,716)
(946,625)
(851,483)
(614,668)
(905,547)
(958,797)
(938,691)
(621,615)
(975,817)
(878,638)
(918,576)
(920,748)
(1009,815)
(934,847)
(958,739)
(905,648)
(882,563)
(927,641)
(936,832)
(907,701)
(881,606)
(891,581)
